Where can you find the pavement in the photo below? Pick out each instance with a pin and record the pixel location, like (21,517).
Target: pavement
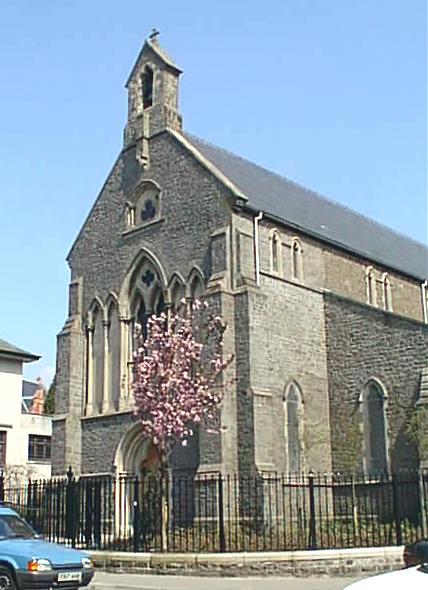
(105,581)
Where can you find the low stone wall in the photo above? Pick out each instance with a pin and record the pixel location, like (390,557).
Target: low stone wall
(344,562)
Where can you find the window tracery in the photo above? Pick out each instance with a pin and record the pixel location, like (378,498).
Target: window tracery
(146,296)
(144,207)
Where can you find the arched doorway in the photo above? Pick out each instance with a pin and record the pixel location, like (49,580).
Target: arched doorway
(131,452)
(137,493)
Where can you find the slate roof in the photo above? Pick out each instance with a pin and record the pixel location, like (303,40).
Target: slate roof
(317,215)
(10,350)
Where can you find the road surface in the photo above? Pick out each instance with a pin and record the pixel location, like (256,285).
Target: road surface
(103,581)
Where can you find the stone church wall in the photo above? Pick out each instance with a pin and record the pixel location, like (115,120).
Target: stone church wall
(337,271)
(192,206)
(100,439)
(286,343)
(364,343)
(346,275)
(312,255)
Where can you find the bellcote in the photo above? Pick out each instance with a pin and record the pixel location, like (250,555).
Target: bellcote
(152,94)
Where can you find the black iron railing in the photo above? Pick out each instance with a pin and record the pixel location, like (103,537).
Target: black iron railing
(216,512)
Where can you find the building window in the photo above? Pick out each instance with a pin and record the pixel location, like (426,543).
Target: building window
(387,292)
(130,214)
(178,295)
(3,436)
(297,263)
(147,84)
(293,410)
(146,297)
(196,287)
(274,252)
(39,447)
(371,286)
(147,204)
(374,425)
(424,288)
(98,358)
(114,354)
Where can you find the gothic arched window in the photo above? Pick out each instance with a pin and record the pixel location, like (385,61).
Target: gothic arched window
(114,355)
(371,286)
(97,358)
(146,297)
(297,262)
(374,424)
(293,411)
(196,289)
(387,292)
(177,294)
(274,252)
(147,87)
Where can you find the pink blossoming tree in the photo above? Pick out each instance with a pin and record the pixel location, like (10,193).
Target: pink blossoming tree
(178,382)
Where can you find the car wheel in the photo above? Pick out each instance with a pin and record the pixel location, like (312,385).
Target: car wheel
(7,580)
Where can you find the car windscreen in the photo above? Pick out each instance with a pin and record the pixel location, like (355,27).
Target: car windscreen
(11,526)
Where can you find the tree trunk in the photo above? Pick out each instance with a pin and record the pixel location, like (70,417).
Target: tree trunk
(164,503)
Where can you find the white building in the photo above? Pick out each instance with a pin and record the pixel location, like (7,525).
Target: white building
(25,437)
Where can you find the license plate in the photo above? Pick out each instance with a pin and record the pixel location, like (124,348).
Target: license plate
(70,577)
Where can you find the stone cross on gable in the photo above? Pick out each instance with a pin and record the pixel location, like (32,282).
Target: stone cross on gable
(153,35)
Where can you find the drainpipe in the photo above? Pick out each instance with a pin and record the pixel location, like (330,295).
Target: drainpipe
(424,292)
(257,218)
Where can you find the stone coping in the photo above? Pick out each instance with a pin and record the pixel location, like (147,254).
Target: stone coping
(316,562)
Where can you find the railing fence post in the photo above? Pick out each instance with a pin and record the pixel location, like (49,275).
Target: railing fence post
(136,516)
(221,533)
(70,508)
(312,541)
(396,506)
(1,485)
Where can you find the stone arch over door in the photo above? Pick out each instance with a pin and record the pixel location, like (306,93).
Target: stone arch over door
(133,458)
(132,452)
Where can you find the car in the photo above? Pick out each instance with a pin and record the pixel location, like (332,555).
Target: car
(28,562)
(415,578)
(416,553)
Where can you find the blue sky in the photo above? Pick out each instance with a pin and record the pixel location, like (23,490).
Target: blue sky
(330,93)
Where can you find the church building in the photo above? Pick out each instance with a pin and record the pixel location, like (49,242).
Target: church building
(326,309)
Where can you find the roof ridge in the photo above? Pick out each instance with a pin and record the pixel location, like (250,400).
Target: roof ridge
(317,194)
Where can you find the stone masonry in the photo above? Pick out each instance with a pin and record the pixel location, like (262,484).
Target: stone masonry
(304,313)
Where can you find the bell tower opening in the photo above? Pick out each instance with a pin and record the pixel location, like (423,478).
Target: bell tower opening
(152,95)
(147,87)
